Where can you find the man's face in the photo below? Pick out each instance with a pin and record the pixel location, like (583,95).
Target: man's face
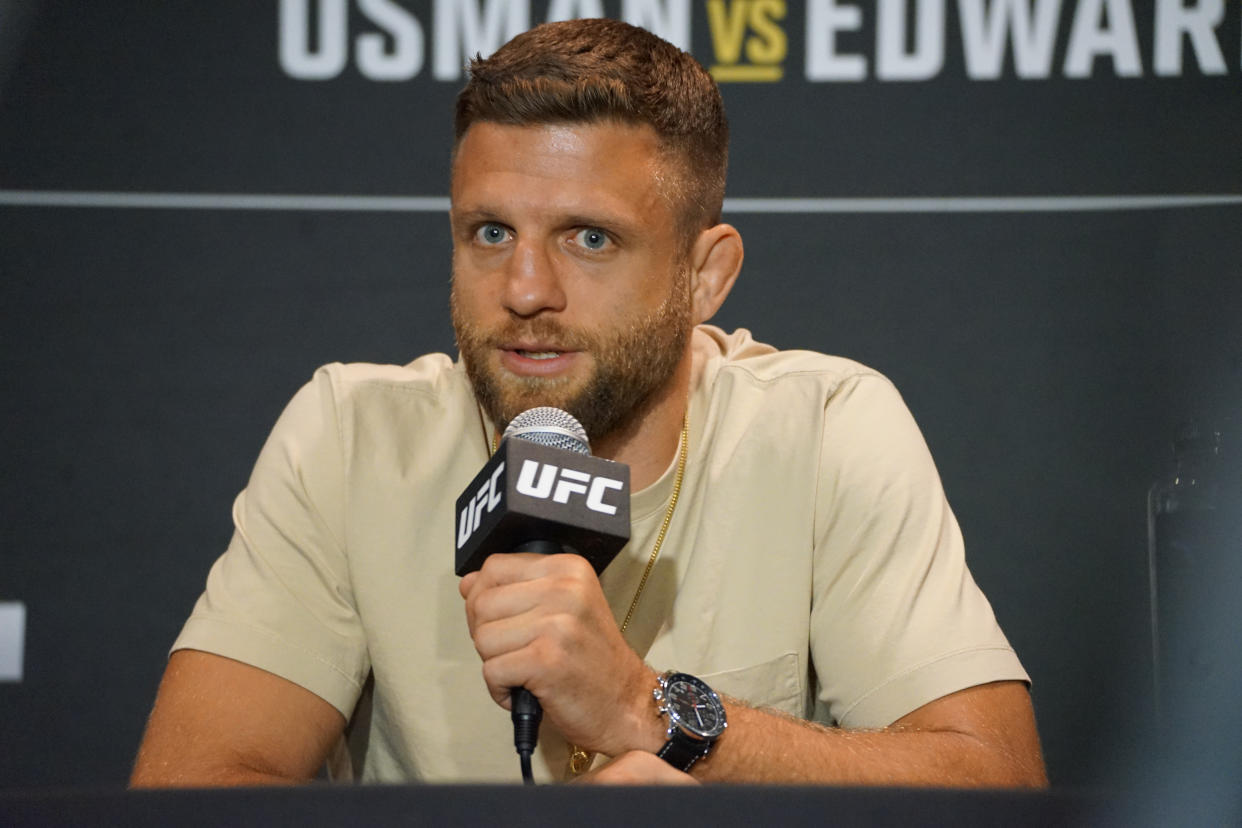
(571,285)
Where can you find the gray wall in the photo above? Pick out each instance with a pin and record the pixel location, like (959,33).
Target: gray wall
(1047,348)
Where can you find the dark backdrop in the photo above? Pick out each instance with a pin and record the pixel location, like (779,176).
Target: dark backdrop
(1047,343)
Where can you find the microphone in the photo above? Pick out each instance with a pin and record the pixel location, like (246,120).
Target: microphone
(542,491)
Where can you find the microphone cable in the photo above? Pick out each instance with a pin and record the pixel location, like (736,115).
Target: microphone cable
(526,714)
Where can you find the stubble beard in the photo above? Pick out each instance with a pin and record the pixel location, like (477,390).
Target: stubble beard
(631,362)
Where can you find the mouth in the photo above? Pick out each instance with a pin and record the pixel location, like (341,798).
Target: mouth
(531,359)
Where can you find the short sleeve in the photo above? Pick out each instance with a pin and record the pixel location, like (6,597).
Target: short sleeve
(280,597)
(897,620)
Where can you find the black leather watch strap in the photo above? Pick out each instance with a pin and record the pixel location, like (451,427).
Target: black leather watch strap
(682,752)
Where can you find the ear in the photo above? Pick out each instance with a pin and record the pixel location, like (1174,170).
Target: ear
(715,261)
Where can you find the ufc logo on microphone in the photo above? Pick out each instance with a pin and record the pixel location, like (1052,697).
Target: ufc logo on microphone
(487,498)
(544,480)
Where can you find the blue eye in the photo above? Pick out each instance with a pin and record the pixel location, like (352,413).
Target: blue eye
(592,238)
(492,233)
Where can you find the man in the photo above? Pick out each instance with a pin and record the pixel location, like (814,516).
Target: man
(791,545)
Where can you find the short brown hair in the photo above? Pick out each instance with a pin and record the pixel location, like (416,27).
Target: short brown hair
(582,71)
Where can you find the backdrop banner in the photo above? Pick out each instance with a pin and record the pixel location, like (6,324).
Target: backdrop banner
(1025,212)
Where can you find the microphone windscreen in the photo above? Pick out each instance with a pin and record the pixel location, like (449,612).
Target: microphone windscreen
(551,427)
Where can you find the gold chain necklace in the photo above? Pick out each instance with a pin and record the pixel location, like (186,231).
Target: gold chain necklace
(580,760)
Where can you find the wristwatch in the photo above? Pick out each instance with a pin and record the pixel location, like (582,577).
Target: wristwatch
(696,718)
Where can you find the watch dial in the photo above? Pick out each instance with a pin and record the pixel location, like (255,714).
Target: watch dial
(693,708)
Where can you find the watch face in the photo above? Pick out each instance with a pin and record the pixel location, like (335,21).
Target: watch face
(693,706)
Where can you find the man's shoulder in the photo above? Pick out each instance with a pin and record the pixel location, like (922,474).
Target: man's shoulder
(739,356)
(429,393)
(389,412)
(432,375)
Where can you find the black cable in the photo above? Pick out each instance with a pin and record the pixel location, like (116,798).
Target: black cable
(526,714)
(527,776)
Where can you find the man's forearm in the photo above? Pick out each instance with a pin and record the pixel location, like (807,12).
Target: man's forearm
(148,776)
(998,748)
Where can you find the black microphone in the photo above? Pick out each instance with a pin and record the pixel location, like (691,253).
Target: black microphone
(542,492)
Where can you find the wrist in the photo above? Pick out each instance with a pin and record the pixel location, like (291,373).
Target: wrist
(645,728)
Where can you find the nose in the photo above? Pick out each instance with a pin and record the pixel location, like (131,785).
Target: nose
(532,284)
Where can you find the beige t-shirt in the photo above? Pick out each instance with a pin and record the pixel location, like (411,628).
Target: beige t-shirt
(812,564)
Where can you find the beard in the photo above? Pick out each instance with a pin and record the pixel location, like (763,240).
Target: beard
(630,362)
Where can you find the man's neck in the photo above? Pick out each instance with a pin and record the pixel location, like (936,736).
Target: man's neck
(649,442)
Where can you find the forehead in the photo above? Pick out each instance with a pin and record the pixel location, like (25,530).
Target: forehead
(609,166)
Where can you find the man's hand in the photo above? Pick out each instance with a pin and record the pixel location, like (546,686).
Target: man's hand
(637,767)
(542,622)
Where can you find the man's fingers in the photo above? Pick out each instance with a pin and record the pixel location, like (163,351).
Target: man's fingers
(511,567)
(550,595)
(487,599)
(498,570)
(508,600)
(516,668)
(504,635)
